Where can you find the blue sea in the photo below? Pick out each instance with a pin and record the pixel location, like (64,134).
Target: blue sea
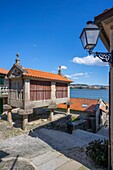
(90,94)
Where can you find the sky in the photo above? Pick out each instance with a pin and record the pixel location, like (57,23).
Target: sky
(46,34)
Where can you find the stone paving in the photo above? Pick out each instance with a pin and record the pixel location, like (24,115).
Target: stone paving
(64,141)
(45,149)
(104,131)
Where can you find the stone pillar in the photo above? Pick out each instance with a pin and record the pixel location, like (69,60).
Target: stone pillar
(97,119)
(51,114)
(8,108)
(53,90)
(111,105)
(68,109)
(9,116)
(25,114)
(68,106)
(68,91)
(25,122)
(52,106)
(26,93)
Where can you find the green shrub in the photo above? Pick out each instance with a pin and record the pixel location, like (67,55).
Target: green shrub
(98,152)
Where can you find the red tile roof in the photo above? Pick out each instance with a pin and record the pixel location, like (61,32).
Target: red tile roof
(45,75)
(77,104)
(3,71)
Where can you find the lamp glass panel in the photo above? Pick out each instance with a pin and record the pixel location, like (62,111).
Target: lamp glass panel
(83,38)
(92,36)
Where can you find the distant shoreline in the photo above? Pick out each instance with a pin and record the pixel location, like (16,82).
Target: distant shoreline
(86,86)
(106,88)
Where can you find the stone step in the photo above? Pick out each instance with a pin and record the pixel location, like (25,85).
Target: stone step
(57,139)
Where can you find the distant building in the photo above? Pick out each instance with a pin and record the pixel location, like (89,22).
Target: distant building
(89,108)
(83,86)
(3,73)
(3,89)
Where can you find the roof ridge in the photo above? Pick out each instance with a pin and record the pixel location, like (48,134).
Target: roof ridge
(45,75)
(44,71)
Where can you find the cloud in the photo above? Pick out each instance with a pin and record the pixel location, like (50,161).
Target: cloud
(67,76)
(89,60)
(79,74)
(63,67)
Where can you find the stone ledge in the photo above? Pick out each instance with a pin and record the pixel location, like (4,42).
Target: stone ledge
(7,107)
(3,95)
(25,112)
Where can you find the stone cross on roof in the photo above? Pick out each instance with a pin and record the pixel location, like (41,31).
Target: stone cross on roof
(17,58)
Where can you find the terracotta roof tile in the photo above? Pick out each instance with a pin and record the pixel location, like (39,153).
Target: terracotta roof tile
(80,104)
(45,75)
(3,71)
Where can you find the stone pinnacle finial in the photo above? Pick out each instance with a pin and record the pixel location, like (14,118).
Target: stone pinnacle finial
(17,58)
(59,70)
(17,54)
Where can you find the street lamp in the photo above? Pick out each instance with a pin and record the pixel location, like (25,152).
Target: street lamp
(89,38)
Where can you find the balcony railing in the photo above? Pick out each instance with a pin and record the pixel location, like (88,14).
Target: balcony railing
(4,91)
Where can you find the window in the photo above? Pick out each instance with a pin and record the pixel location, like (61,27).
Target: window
(1,80)
(61,90)
(84,105)
(40,90)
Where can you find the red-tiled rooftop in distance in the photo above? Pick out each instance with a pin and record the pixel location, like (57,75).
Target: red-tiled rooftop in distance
(45,75)
(3,71)
(79,104)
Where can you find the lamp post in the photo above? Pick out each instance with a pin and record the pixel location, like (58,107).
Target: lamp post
(89,38)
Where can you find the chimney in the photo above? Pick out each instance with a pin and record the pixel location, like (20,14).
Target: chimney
(17,58)
(59,70)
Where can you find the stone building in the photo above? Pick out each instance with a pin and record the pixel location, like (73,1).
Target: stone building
(105,22)
(3,73)
(30,88)
(94,109)
(3,89)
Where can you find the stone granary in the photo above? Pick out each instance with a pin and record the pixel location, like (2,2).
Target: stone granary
(30,89)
